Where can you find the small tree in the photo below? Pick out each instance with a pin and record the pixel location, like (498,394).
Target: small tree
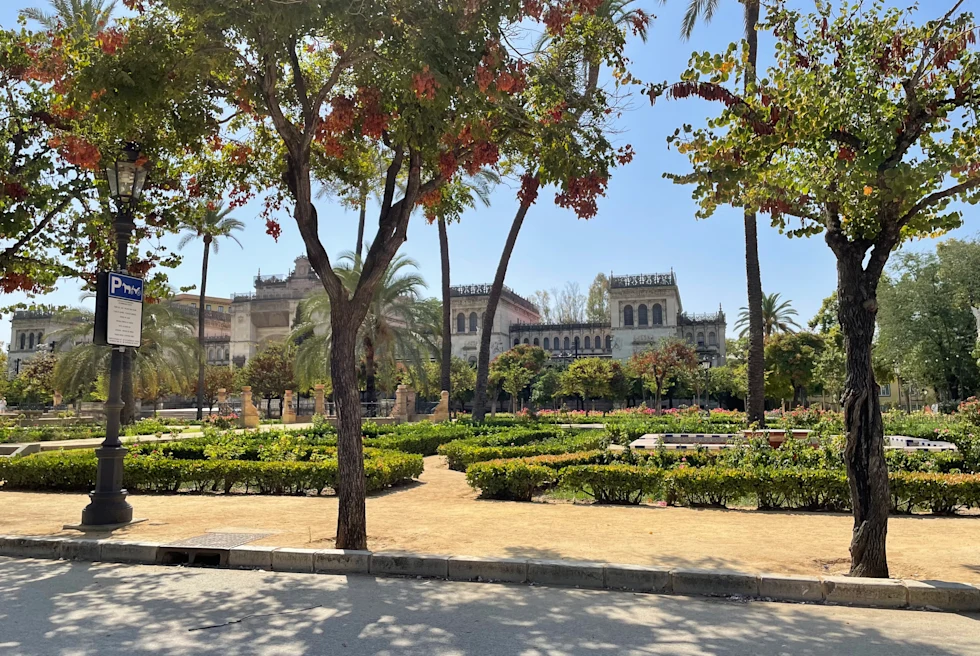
(791,362)
(865,129)
(216,377)
(588,378)
(516,368)
(270,373)
(659,365)
(546,388)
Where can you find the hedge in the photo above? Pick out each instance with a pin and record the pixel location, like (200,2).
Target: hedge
(512,480)
(74,471)
(463,453)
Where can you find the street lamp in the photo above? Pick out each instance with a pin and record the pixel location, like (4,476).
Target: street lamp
(126,177)
(705,366)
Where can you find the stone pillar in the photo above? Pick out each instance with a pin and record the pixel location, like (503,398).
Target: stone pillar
(400,411)
(222,396)
(410,403)
(288,409)
(250,414)
(319,401)
(441,413)
(57,398)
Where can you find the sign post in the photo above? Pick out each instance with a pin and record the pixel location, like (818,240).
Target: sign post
(119,310)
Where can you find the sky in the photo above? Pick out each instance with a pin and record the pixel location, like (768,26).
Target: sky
(645,224)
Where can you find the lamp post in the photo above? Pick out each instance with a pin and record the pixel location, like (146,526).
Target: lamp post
(126,177)
(705,366)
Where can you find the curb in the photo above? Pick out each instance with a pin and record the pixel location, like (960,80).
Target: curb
(841,590)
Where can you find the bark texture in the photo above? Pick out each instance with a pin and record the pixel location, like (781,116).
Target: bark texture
(351,511)
(447,318)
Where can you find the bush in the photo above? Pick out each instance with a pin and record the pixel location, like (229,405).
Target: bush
(616,483)
(463,453)
(943,494)
(423,438)
(512,480)
(706,486)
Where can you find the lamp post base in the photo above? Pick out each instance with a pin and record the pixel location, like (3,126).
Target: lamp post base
(107,508)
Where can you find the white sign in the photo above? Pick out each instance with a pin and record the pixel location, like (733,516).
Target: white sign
(124,325)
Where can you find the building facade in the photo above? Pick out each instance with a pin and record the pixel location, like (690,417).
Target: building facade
(643,311)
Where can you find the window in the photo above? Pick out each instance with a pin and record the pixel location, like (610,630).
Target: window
(31,341)
(211,353)
(712,339)
(472,359)
(40,338)
(460,323)
(517,341)
(700,339)
(473,321)
(886,390)
(576,343)
(526,341)
(535,342)
(17,364)
(658,315)
(690,338)
(597,342)
(628,315)
(207,307)
(642,314)
(556,343)
(566,343)
(608,342)
(547,344)
(588,343)
(23,338)
(221,308)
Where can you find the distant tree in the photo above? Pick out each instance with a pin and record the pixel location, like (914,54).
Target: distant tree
(791,362)
(270,373)
(546,388)
(660,365)
(517,367)
(216,377)
(569,303)
(826,317)
(620,383)
(587,378)
(777,317)
(597,304)
(84,18)
(36,382)
(542,301)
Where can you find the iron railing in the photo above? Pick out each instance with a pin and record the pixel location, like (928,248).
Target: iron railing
(643,280)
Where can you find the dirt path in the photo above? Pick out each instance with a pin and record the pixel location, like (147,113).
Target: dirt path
(441,514)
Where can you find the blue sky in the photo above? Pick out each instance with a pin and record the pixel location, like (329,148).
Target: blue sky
(645,223)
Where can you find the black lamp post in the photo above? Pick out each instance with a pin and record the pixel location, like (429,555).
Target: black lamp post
(126,177)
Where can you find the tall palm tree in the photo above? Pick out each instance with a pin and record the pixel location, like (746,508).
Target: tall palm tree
(777,317)
(166,360)
(399,325)
(755,401)
(85,18)
(211,225)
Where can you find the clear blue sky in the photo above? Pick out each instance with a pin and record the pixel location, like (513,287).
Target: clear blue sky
(645,224)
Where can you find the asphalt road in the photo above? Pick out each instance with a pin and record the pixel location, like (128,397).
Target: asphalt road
(55,607)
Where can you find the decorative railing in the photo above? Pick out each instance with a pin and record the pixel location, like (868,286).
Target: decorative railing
(484,290)
(557,327)
(272,278)
(209,315)
(687,319)
(33,314)
(643,280)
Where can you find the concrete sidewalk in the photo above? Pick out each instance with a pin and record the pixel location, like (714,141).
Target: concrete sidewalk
(57,607)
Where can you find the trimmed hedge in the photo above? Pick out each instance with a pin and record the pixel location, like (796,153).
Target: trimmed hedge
(615,483)
(74,471)
(511,480)
(463,453)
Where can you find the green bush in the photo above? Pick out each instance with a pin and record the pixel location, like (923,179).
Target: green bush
(463,453)
(423,438)
(512,480)
(943,494)
(706,486)
(616,483)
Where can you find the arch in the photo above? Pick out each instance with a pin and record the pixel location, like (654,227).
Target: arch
(641,313)
(690,338)
(628,315)
(31,341)
(211,353)
(608,342)
(23,340)
(658,314)
(461,323)
(555,342)
(526,341)
(473,322)
(227,353)
(40,337)
(700,339)
(535,342)
(566,344)
(712,339)
(597,342)
(588,343)
(472,359)
(576,342)
(517,341)
(547,344)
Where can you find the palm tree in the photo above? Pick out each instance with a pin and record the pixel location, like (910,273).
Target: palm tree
(755,401)
(166,360)
(399,324)
(210,226)
(85,18)
(777,317)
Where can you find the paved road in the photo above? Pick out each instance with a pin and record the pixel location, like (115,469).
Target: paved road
(53,607)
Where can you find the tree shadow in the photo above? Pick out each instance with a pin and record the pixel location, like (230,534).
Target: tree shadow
(51,607)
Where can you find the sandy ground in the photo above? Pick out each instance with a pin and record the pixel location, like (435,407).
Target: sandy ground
(441,514)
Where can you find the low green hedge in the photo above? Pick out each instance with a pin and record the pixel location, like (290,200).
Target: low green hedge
(74,471)
(463,453)
(511,480)
(616,483)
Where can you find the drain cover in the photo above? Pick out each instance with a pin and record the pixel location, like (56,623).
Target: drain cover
(219,540)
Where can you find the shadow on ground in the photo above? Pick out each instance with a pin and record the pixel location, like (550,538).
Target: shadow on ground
(54,607)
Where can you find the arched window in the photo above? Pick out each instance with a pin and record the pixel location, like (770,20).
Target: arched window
(31,341)
(588,343)
(461,323)
(712,339)
(23,340)
(517,341)
(227,353)
(556,343)
(576,342)
(535,342)
(628,315)
(597,342)
(211,353)
(473,320)
(690,338)
(658,314)
(608,342)
(526,341)
(700,339)
(472,359)
(40,338)
(547,344)
(641,312)
(566,343)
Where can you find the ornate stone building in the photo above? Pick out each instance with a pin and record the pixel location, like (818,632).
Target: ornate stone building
(643,309)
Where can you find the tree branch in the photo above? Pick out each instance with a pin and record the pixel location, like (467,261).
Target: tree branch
(847,139)
(11,252)
(299,82)
(937,197)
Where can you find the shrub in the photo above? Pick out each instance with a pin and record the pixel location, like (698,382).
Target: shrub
(512,480)
(706,486)
(423,438)
(463,453)
(943,494)
(616,483)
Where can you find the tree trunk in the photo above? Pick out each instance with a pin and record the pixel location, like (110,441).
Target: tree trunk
(864,454)
(656,407)
(445,366)
(360,225)
(200,330)
(351,489)
(128,415)
(370,377)
(483,363)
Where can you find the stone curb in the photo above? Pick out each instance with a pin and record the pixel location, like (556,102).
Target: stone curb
(880,593)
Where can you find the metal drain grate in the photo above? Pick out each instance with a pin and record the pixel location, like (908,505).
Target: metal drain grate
(218,540)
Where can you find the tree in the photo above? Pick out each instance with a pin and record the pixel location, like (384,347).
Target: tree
(36,382)
(661,364)
(542,301)
(463,379)
(215,377)
(959,260)
(515,368)
(777,317)
(546,388)
(791,362)
(270,373)
(514,380)
(569,303)
(755,401)
(588,378)
(84,18)
(210,225)
(597,304)
(831,139)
